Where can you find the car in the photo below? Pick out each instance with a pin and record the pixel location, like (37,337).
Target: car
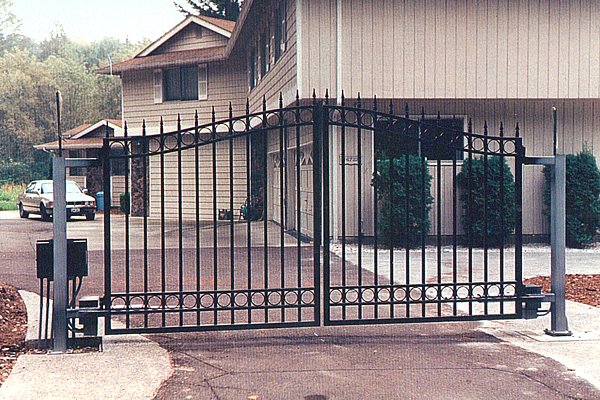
(38,199)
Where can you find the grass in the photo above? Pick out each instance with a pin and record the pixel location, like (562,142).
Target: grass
(8,195)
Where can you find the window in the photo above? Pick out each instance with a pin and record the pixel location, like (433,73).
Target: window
(252,67)
(263,55)
(282,43)
(77,171)
(442,139)
(269,46)
(182,83)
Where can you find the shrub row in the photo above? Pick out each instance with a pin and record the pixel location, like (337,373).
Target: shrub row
(405,200)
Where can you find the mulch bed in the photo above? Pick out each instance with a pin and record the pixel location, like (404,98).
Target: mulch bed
(13,328)
(580,288)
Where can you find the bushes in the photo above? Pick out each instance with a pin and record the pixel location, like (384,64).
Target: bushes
(15,172)
(583,204)
(21,172)
(391,183)
(500,209)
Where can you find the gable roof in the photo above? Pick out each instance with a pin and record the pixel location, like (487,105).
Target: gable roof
(115,124)
(220,26)
(228,29)
(165,60)
(75,139)
(76,130)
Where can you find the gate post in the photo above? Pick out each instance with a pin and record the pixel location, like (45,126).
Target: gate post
(105,156)
(59,226)
(559,324)
(321,211)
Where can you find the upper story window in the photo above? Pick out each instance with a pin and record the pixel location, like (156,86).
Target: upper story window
(253,69)
(184,83)
(269,46)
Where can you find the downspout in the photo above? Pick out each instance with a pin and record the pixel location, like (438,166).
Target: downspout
(334,145)
(299,67)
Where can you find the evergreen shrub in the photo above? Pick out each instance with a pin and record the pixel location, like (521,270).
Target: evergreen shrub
(500,209)
(392,192)
(583,198)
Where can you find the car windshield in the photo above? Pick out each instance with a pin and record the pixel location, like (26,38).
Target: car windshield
(71,187)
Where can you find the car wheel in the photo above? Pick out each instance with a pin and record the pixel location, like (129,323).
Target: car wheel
(90,216)
(44,213)
(22,212)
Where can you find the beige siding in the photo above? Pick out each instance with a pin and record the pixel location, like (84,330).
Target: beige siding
(117,187)
(188,182)
(318,56)
(192,37)
(451,49)
(80,180)
(226,83)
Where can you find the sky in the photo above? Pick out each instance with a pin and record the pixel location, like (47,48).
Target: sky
(92,20)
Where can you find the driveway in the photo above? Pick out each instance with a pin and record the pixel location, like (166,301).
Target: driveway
(446,360)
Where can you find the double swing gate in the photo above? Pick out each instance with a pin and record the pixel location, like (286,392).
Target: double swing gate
(312,214)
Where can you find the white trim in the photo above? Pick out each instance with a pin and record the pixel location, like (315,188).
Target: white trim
(188,20)
(157,81)
(202,81)
(116,128)
(339,52)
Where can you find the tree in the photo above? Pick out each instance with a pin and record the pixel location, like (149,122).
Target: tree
(226,9)
(404,196)
(583,198)
(30,75)
(488,226)
(9,23)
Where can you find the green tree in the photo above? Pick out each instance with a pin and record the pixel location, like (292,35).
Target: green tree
(583,198)
(30,75)
(404,198)
(498,195)
(226,9)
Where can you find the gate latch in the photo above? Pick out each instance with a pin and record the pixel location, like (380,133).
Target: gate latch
(533,299)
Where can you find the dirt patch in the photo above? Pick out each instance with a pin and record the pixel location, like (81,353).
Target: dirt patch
(580,288)
(13,328)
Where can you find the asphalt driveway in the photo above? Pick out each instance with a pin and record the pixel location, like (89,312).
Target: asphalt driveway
(445,361)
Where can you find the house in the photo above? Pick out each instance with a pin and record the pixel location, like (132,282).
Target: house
(498,62)
(85,141)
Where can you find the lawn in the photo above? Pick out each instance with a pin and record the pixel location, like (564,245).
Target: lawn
(8,195)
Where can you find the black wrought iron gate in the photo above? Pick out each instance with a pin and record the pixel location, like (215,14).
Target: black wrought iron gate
(310,214)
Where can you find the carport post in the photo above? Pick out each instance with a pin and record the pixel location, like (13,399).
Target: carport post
(61,287)
(558,325)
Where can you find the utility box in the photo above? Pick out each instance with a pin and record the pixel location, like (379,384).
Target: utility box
(77,260)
